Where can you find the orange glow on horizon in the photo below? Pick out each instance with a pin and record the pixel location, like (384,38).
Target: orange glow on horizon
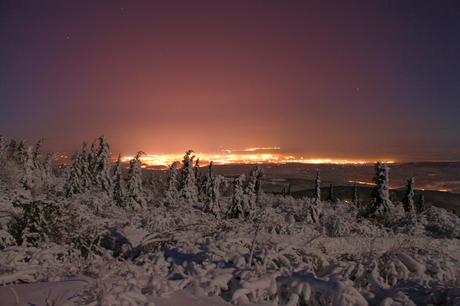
(247,156)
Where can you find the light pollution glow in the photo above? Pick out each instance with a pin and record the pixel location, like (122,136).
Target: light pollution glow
(395,187)
(247,156)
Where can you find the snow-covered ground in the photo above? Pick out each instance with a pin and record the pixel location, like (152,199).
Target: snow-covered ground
(96,236)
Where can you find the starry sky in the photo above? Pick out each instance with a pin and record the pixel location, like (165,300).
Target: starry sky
(336,79)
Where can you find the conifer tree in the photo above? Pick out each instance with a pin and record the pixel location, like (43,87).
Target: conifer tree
(3,147)
(253,188)
(37,155)
(75,178)
(28,177)
(408,201)
(91,159)
(197,173)
(206,188)
(421,203)
(118,186)
(134,191)
(355,198)
(212,191)
(21,153)
(317,199)
(172,193)
(188,190)
(154,185)
(48,166)
(331,197)
(84,168)
(237,209)
(102,166)
(259,174)
(11,150)
(380,194)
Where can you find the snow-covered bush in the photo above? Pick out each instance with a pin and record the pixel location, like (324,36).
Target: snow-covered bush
(38,222)
(442,224)
(336,226)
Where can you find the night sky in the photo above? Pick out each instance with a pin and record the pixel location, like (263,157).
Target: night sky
(354,79)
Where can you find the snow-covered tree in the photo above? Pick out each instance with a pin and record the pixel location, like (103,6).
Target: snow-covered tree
(188,190)
(38,221)
(91,158)
(205,190)
(237,206)
(135,198)
(380,194)
(79,176)
(408,201)
(331,197)
(37,158)
(172,193)
(154,186)
(212,191)
(11,150)
(20,154)
(28,179)
(421,203)
(77,180)
(355,198)
(197,173)
(85,169)
(313,213)
(102,166)
(253,188)
(317,188)
(118,184)
(3,148)
(48,166)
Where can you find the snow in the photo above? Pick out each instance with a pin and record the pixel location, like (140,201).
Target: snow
(83,248)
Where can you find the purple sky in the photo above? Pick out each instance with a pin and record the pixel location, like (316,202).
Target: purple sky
(354,79)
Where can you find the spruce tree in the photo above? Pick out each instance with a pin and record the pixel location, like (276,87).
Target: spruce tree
(21,153)
(91,159)
(237,206)
(134,191)
(28,175)
(84,167)
(331,197)
(253,188)
(172,193)
(11,150)
(212,191)
(259,174)
(355,198)
(118,184)
(421,203)
(75,181)
(380,194)
(188,190)
(197,173)
(207,189)
(154,185)
(408,201)
(3,148)
(48,166)
(102,166)
(317,199)
(37,158)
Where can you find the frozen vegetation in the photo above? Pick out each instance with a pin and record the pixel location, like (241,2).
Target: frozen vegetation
(110,236)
